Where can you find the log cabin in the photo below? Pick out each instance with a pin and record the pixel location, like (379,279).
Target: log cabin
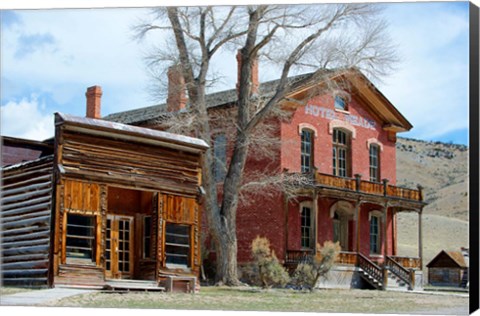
(344,141)
(449,268)
(102,205)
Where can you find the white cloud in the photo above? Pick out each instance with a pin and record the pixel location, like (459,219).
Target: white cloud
(431,85)
(94,47)
(26,119)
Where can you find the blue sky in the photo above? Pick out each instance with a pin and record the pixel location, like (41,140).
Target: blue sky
(49,58)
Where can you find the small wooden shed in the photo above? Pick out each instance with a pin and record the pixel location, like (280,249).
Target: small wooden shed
(448,268)
(108,202)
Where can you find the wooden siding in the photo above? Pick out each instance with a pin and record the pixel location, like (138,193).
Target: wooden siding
(138,166)
(26,213)
(445,276)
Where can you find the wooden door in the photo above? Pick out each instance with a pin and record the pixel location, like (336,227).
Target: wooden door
(119,247)
(340,232)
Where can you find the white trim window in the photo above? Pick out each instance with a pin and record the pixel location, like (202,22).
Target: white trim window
(375,245)
(306,227)
(374,154)
(306,150)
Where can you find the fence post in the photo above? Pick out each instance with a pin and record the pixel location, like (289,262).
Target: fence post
(412,279)
(385,278)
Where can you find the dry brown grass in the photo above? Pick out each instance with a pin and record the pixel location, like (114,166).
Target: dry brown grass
(254,299)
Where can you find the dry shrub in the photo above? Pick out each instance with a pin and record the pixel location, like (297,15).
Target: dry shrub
(269,270)
(307,274)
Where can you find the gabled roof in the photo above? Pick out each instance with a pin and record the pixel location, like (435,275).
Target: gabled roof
(456,257)
(364,89)
(128,132)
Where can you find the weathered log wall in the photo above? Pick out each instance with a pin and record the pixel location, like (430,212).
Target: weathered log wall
(26,212)
(137,166)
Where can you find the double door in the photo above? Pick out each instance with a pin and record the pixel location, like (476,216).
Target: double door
(119,247)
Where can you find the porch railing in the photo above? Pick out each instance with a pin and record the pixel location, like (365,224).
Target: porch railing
(347,257)
(374,271)
(408,262)
(298,256)
(405,275)
(376,188)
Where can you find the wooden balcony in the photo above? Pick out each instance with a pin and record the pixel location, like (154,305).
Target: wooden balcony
(374,188)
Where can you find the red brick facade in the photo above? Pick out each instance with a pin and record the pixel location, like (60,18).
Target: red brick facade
(266,217)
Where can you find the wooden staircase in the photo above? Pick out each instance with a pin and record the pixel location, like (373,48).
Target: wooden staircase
(370,272)
(395,283)
(400,276)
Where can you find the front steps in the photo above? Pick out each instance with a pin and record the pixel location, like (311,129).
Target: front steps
(394,283)
(132,285)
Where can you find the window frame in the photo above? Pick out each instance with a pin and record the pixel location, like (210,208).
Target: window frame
(339,100)
(91,238)
(171,244)
(375,243)
(306,231)
(340,146)
(306,150)
(374,168)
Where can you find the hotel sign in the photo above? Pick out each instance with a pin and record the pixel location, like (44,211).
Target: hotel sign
(329,114)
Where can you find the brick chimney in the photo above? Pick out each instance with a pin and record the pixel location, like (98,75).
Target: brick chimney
(94,102)
(254,78)
(177,98)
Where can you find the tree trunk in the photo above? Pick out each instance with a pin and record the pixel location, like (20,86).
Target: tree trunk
(227,270)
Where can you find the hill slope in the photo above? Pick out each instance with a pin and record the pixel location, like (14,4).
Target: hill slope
(442,169)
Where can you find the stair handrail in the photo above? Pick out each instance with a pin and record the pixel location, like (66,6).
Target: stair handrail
(397,269)
(370,268)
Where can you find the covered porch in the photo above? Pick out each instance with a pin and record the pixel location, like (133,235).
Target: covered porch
(361,216)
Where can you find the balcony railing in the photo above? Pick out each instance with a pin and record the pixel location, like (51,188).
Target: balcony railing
(375,188)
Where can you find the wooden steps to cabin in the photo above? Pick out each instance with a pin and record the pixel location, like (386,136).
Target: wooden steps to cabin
(132,285)
(71,275)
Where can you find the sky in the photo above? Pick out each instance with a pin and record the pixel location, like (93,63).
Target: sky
(50,56)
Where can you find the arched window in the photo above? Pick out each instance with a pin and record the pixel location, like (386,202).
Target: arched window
(341,153)
(340,103)
(374,163)
(306,150)
(306,227)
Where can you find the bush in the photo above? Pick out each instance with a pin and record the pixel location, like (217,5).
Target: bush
(269,270)
(306,275)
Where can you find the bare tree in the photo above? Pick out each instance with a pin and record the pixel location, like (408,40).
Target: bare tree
(324,40)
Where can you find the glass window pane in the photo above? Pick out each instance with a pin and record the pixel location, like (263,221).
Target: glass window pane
(177,242)
(80,236)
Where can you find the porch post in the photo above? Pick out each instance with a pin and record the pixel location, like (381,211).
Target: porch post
(357,225)
(420,242)
(285,210)
(315,219)
(385,241)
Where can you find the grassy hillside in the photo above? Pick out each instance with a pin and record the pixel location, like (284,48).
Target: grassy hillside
(442,169)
